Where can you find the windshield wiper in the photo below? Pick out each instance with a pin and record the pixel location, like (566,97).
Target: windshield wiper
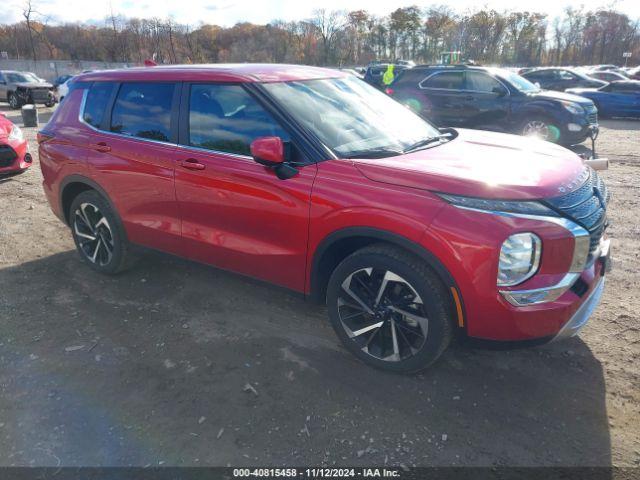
(426,141)
(374,153)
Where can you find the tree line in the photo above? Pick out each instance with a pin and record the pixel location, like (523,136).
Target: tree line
(338,38)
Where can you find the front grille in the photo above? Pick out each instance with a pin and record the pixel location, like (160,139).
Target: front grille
(40,94)
(587,206)
(592,115)
(7,156)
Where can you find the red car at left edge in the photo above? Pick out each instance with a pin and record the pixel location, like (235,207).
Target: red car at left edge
(14,149)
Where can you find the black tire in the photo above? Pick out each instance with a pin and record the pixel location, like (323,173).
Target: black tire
(415,277)
(14,100)
(50,103)
(554,132)
(113,255)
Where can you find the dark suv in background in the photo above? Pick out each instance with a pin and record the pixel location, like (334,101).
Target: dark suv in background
(560,79)
(494,99)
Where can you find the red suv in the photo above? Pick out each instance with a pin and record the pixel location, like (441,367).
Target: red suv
(313,180)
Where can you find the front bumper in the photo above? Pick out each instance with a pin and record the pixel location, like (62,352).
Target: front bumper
(14,157)
(582,315)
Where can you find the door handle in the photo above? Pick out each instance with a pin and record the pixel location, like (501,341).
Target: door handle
(100,147)
(192,164)
(469,97)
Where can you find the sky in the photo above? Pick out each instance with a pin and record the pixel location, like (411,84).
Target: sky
(228,13)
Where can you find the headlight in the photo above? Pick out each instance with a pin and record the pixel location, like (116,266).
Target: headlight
(16,134)
(573,108)
(519,258)
(508,206)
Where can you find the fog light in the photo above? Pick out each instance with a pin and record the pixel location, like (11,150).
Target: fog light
(574,127)
(519,258)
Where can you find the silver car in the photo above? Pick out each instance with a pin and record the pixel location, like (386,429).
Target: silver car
(19,88)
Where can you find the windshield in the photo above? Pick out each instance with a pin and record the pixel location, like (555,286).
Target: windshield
(21,78)
(521,83)
(351,117)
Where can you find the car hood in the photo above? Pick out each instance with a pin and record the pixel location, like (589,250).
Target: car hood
(560,96)
(34,85)
(482,164)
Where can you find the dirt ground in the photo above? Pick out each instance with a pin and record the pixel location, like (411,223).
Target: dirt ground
(152,367)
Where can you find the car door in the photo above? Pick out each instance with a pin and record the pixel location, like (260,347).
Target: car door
(486,101)
(444,97)
(624,98)
(131,156)
(237,214)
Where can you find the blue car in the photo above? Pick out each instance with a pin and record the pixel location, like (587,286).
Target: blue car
(616,99)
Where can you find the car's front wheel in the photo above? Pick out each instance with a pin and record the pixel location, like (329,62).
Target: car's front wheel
(542,128)
(98,233)
(389,309)
(14,101)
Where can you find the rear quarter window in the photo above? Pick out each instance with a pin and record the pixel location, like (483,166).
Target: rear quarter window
(96,103)
(143,110)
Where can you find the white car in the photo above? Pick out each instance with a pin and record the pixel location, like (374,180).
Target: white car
(63,90)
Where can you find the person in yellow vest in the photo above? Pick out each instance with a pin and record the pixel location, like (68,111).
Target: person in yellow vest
(388,76)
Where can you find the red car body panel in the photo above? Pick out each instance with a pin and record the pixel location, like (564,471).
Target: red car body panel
(229,211)
(237,215)
(17,154)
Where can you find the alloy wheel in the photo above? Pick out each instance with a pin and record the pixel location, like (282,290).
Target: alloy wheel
(536,128)
(383,314)
(94,234)
(13,101)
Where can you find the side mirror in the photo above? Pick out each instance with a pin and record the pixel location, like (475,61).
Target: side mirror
(268,151)
(537,84)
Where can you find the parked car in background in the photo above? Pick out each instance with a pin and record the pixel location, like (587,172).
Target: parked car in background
(19,88)
(607,76)
(494,99)
(14,149)
(60,80)
(559,79)
(634,73)
(313,180)
(374,73)
(616,99)
(63,89)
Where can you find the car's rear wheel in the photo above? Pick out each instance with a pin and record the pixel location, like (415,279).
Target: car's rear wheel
(14,101)
(542,128)
(98,233)
(389,309)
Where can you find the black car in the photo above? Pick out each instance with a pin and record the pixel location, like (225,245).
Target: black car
(494,99)
(561,78)
(374,73)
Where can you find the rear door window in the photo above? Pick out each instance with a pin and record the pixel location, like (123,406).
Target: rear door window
(444,80)
(97,102)
(143,110)
(227,118)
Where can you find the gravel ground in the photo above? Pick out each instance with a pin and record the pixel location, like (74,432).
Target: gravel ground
(153,367)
